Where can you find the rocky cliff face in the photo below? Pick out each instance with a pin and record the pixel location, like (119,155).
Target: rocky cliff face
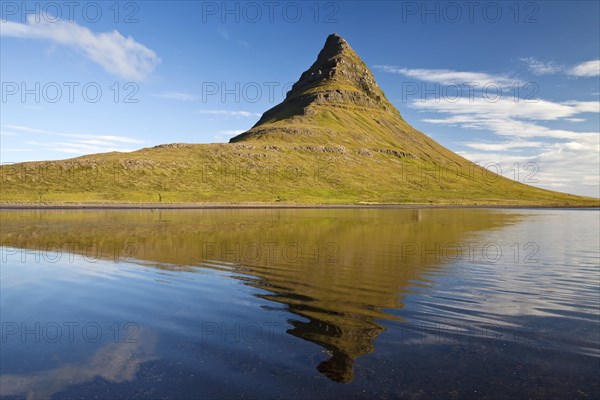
(337,64)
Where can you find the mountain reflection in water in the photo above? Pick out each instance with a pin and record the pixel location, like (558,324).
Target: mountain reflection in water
(337,269)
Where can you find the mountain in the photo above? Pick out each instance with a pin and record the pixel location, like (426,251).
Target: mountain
(335,139)
(337,101)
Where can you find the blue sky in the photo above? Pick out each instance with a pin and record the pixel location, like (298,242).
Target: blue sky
(512,85)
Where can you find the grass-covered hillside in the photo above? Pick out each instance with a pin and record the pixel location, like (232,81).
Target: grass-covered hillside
(335,139)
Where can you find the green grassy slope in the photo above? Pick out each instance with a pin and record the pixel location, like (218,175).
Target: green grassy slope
(251,173)
(335,139)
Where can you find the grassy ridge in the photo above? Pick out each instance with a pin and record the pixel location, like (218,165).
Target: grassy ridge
(273,173)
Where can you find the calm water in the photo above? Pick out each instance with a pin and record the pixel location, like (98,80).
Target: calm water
(393,303)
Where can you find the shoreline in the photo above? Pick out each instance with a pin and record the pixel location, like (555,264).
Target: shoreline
(201,206)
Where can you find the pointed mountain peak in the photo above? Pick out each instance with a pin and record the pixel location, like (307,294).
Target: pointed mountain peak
(337,80)
(337,67)
(336,37)
(335,44)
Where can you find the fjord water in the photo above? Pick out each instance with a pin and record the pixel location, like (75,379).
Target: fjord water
(319,303)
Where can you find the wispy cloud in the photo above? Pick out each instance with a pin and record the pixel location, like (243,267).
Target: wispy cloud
(119,139)
(507,117)
(77,143)
(448,76)
(541,67)
(570,167)
(503,145)
(586,69)
(229,113)
(16,150)
(180,96)
(568,160)
(77,147)
(7,133)
(119,55)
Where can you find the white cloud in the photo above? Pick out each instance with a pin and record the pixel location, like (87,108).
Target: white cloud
(77,143)
(569,167)
(229,113)
(506,117)
(448,76)
(541,67)
(118,139)
(78,147)
(503,145)
(117,54)
(11,150)
(181,96)
(586,69)
(567,160)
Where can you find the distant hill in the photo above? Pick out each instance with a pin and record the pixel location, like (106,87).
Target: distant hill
(335,139)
